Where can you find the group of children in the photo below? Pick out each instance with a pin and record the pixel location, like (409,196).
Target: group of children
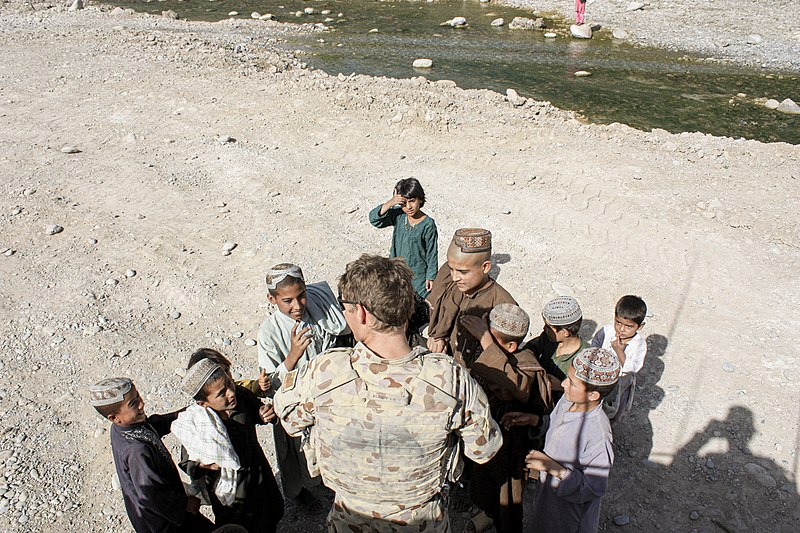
(555,396)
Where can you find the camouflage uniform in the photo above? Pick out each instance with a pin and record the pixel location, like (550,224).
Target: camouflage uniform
(384,433)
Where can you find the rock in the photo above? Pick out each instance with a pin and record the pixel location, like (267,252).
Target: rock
(580,32)
(498,22)
(309,11)
(506,211)
(761,475)
(111,282)
(223,139)
(77,5)
(550,35)
(255,15)
(9,252)
(118,11)
(619,33)
(114,481)
(229,246)
(634,6)
(28,192)
(728,367)
(561,289)
(53,229)
(754,38)
(325,12)
(622,520)
(772,104)
(522,23)
(514,98)
(268,16)
(175,315)
(130,273)
(422,63)
(373,30)
(582,73)
(250,342)
(694,515)
(70,150)
(457,22)
(170,14)
(233,13)
(789,107)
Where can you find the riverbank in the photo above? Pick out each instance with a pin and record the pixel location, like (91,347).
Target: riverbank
(187,136)
(717,30)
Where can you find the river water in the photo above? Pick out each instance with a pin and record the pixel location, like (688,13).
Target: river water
(643,87)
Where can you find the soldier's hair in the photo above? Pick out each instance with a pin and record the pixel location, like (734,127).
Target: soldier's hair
(209,353)
(410,188)
(383,286)
(631,307)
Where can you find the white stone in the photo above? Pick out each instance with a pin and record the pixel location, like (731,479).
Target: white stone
(550,35)
(325,12)
(514,98)
(634,6)
(229,246)
(422,63)
(584,31)
(77,5)
(458,21)
(255,15)
(268,16)
(53,229)
(498,22)
(70,150)
(250,342)
(309,11)
(788,106)
(130,273)
(233,13)
(523,23)
(582,73)
(619,33)
(754,39)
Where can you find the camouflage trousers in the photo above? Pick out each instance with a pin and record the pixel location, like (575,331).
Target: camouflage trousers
(430,517)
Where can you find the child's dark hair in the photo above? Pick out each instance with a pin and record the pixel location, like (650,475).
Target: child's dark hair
(208,353)
(202,394)
(410,188)
(631,307)
(603,390)
(573,328)
(285,282)
(505,339)
(108,410)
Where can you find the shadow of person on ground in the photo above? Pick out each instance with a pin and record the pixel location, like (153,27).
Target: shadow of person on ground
(497,260)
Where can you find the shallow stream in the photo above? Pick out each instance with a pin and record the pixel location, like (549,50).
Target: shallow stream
(643,87)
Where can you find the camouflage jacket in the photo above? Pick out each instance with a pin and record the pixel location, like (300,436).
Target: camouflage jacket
(384,430)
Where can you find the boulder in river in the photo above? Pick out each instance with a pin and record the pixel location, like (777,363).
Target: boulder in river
(498,22)
(619,33)
(772,104)
(789,107)
(754,39)
(583,31)
(458,22)
(514,98)
(522,23)
(582,73)
(422,63)
(77,5)
(170,14)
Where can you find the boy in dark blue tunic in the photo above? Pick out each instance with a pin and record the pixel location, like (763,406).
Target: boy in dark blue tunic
(154,496)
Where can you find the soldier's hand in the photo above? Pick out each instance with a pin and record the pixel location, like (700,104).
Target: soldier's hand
(437,345)
(264,383)
(517,418)
(267,413)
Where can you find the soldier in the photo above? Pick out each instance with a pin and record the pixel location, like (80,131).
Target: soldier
(384,422)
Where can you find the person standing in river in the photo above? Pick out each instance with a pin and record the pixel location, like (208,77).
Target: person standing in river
(580,7)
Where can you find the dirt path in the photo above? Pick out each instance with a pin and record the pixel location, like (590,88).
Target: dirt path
(702,227)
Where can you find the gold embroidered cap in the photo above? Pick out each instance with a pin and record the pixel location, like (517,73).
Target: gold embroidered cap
(473,240)
(510,320)
(197,376)
(596,366)
(109,391)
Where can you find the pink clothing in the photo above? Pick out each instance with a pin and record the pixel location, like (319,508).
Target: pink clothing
(580,7)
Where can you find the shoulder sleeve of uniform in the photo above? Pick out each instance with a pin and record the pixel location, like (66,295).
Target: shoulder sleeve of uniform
(480,433)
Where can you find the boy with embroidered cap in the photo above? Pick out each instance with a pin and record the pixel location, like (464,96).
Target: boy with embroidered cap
(219,436)
(514,381)
(308,322)
(154,496)
(463,288)
(559,341)
(624,339)
(578,453)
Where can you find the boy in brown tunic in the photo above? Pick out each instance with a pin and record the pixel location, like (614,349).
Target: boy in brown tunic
(463,288)
(514,381)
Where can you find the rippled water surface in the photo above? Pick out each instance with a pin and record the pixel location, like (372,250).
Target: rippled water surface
(643,87)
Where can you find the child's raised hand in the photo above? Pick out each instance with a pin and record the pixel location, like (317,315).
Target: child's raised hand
(300,341)
(212,466)
(475,325)
(267,413)
(541,462)
(264,382)
(437,345)
(517,418)
(397,199)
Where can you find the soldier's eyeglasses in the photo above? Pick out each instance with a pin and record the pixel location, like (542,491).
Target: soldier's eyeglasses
(342,302)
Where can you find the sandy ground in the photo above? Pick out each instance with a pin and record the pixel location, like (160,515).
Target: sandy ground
(719,30)
(703,228)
